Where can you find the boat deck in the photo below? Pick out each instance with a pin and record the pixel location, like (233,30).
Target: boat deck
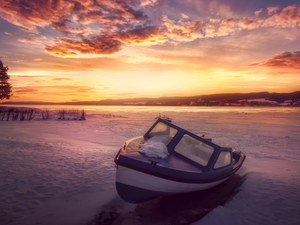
(171,162)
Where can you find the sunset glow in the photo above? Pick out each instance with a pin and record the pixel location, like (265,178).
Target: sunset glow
(64,51)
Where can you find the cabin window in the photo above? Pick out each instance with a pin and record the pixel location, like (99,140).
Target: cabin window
(194,149)
(223,160)
(163,130)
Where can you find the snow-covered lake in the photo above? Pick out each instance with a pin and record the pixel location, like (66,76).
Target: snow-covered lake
(62,172)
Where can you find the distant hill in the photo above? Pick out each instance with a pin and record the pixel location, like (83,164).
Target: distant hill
(226,99)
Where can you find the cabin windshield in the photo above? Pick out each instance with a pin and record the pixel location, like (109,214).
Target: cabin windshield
(163,129)
(194,149)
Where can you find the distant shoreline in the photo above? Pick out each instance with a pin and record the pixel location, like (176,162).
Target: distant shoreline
(228,99)
(56,104)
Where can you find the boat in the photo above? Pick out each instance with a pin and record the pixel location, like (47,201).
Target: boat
(170,160)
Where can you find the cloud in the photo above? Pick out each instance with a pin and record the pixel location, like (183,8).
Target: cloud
(184,16)
(12,34)
(60,89)
(69,16)
(273,9)
(17,61)
(60,51)
(25,90)
(287,17)
(107,44)
(21,38)
(60,79)
(104,27)
(141,35)
(180,30)
(284,60)
(103,45)
(25,39)
(67,65)
(258,12)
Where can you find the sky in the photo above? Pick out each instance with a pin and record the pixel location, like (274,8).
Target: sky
(74,50)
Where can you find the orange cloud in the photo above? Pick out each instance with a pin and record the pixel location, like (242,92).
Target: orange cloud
(107,44)
(102,27)
(25,90)
(63,89)
(141,35)
(25,39)
(60,79)
(60,51)
(104,45)
(284,60)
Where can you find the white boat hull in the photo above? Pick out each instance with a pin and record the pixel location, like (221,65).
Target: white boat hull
(136,181)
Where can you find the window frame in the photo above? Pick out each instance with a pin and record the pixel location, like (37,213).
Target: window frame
(222,150)
(147,136)
(196,137)
(180,133)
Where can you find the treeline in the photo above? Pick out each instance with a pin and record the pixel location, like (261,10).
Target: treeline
(14,113)
(210,100)
(200,100)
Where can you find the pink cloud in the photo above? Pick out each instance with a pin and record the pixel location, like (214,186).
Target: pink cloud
(21,38)
(12,34)
(284,60)
(273,9)
(103,27)
(25,39)
(287,17)
(258,12)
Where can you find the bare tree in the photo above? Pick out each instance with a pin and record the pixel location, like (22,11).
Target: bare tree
(45,114)
(2,113)
(82,115)
(62,114)
(31,114)
(15,114)
(9,111)
(22,114)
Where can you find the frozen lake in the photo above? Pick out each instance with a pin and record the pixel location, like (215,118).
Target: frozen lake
(62,172)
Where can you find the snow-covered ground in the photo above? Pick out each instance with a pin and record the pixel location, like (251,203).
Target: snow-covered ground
(62,172)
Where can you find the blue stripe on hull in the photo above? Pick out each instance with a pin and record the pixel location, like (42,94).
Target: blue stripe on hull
(136,195)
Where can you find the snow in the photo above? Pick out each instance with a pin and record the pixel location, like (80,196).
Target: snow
(62,172)
(257,100)
(155,147)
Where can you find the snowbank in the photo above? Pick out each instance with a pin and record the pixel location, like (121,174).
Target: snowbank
(62,172)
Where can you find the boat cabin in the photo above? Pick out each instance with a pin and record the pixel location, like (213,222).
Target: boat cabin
(195,149)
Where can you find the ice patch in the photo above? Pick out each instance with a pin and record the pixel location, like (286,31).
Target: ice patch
(155,147)
(62,172)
